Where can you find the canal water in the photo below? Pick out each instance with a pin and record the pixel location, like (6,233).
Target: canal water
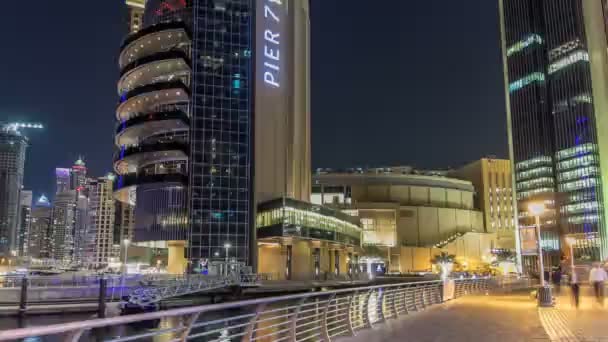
(104,334)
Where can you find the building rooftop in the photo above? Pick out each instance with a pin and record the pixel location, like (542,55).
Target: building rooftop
(400,175)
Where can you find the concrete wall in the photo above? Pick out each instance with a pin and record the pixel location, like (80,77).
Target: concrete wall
(473,249)
(424,226)
(412,195)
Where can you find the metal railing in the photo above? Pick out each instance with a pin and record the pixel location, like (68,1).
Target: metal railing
(157,290)
(317,316)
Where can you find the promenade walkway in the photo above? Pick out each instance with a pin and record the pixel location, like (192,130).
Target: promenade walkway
(498,318)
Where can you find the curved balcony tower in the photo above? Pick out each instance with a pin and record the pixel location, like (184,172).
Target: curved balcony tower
(152,132)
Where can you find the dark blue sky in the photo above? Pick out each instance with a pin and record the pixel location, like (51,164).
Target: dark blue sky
(393,82)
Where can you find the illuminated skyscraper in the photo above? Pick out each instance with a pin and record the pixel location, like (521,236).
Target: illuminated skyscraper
(556,82)
(189,88)
(78,175)
(100,233)
(12,161)
(39,243)
(63,178)
(25,223)
(64,226)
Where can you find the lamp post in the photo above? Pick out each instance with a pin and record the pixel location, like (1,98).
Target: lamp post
(571,241)
(227,245)
(545,297)
(126,243)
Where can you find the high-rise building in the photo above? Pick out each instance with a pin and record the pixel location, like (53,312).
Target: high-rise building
(12,161)
(101,222)
(81,227)
(63,177)
(40,237)
(64,226)
(191,99)
(25,223)
(136,14)
(78,176)
(556,74)
(492,180)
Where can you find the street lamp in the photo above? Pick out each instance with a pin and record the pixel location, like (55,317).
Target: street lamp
(126,242)
(570,240)
(227,245)
(544,294)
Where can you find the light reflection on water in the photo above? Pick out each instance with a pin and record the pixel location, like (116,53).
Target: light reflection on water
(103,334)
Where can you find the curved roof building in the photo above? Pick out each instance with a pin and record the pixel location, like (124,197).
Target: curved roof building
(398,207)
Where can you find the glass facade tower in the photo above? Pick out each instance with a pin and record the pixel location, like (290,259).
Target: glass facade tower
(184,132)
(555,63)
(13,147)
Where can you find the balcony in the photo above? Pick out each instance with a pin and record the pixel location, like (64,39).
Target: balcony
(125,185)
(160,67)
(152,40)
(129,159)
(147,98)
(141,126)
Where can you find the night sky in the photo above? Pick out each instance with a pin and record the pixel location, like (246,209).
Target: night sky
(394,82)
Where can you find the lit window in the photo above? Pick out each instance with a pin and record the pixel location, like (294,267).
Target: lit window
(572,58)
(576,151)
(522,44)
(522,82)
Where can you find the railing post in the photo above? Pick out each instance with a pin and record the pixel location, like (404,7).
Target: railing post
(248,336)
(74,336)
(294,320)
(380,304)
(394,302)
(324,330)
(368,296)
(188,322)
(101,309)
(349,316)
(23,297)
(417,303)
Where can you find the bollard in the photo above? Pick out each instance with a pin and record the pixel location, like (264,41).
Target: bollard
(23,299)
(101,310)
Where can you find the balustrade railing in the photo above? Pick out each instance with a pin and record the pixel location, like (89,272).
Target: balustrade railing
(316,316)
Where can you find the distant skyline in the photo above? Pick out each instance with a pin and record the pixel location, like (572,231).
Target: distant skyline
(396,83)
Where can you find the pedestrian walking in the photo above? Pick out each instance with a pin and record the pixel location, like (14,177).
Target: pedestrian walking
(575,287)
(556,278)
(597,277)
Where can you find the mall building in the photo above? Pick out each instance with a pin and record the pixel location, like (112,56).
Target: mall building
(211,94)
(408,216)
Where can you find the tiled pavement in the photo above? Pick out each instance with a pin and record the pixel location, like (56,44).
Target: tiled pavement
(495,318)
(498,318)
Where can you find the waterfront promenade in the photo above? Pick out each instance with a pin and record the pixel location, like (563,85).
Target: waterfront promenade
(512,317)
(482,311)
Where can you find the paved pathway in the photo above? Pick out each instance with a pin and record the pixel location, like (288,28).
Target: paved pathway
(498,318)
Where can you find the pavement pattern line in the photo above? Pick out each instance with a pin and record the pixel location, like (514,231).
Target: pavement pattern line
(556,325)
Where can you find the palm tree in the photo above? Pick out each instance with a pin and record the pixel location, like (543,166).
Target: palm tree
(445,262)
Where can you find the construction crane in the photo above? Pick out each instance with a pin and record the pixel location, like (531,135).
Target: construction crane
(15,126)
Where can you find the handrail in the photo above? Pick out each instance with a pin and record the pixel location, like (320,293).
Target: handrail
(274,317)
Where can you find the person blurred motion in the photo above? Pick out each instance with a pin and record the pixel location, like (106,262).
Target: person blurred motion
(597,277)
(575,287)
